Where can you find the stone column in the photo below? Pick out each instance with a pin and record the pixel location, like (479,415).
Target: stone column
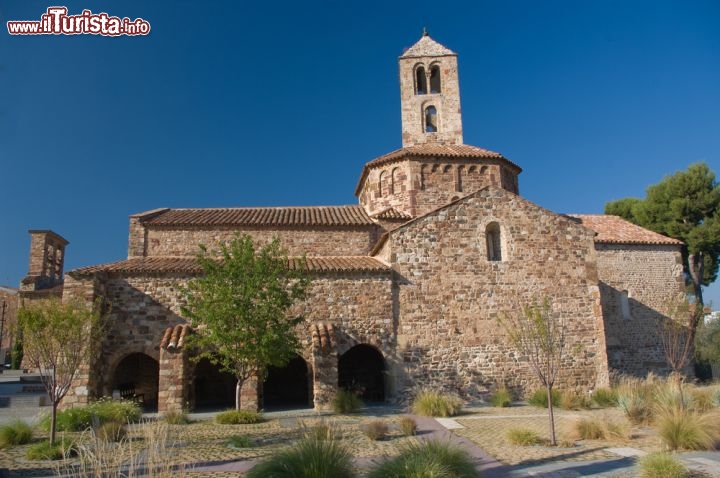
(172,386)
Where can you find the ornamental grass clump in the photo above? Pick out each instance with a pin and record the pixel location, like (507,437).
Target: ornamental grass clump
(431,403)
(46,451)
(346,401)
(538,398)
(604,397)
(523,437)
(661,465)
(15,433)
(427,459)
(238,417)
(408,426)
(501,398)
(570,400)
(375,429)
(308,458)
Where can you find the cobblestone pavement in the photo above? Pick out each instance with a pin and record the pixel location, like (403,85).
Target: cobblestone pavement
(203,450)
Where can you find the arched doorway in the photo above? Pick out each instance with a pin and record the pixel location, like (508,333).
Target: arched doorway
(213,389)
(362,369)
(137,375)
(288,386)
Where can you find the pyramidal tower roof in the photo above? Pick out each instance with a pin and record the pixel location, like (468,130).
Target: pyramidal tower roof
(426,46)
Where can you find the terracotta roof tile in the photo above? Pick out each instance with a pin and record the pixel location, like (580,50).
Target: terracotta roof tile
(188,265)
(323,337)
(263,216)
(616,230)
(434,150)
(174,337)
(392,214)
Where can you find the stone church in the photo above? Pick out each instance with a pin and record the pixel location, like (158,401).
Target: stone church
(407,285)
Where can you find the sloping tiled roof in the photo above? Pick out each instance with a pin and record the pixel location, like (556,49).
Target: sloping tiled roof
(426,46)
(188,265)
(263,216)
(392,214)
(616,230)
(437,150)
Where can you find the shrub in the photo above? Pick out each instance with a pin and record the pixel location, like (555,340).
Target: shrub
(538,398)
(375,429)
(176,418)
(105,410)
(14,433)
(111,431)
(590,429)
(574,401)
(436,404)
(680,428)
(604,397)
(45,451)
(238,417)
(703,398)
(635,398)
(661,465)
(501,398)
(319,431)
(240,441)
(428,459)
(346,401)
(408,426)
(308,458)
(522,436)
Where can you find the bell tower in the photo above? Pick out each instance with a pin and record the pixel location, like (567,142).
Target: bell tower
(430,94)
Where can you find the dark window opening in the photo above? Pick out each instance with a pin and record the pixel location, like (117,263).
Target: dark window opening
(435,79)
(431,119)
(288,386)
(420,81)
(492,237)
(137,376)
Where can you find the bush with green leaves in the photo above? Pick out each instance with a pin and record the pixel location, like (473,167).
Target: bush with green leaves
(408,426)
(431,403)
(523,437)
(45,451)
(15,433)
(95,414)
(501,398)
(238,417)
(375,429)
(538,398)
(428,459)
(604,397)
(346,401)
(661,465)
(308,458)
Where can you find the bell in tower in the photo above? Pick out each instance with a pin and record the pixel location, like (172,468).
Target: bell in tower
(430,94)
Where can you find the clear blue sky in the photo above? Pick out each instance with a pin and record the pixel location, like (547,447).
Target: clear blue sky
(281,103)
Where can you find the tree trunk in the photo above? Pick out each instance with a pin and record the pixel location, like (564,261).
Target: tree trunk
(551,416)
(696,264)
(238,391)
(53,421)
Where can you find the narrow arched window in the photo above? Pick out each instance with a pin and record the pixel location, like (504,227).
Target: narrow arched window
(420,81)
(492,238)
(435,79)
(431,119)
(380,184)
(625,304)
(459,178)
(393,179)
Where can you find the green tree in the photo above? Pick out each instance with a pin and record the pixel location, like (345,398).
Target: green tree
(685,206)
(57,341)
(708,341)
(538,334)
(239,308)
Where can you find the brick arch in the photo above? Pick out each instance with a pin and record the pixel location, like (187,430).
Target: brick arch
(363,369)
(136,373)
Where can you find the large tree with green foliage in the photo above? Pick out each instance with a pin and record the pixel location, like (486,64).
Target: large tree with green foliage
(538,334)
(685,206)
(239,308)
(57,340)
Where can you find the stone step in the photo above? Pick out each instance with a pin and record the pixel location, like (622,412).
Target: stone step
(24,400)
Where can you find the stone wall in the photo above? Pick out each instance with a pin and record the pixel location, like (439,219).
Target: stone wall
(338,241)
(423,185)
(646,278)
(451,296)
(8,320)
